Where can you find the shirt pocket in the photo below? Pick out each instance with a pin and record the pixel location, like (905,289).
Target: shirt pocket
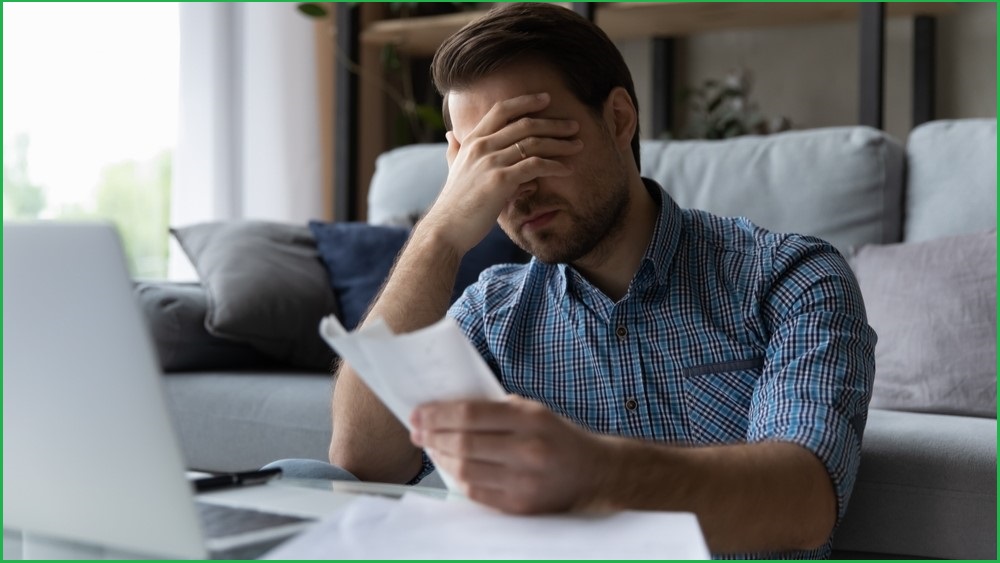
(717,398)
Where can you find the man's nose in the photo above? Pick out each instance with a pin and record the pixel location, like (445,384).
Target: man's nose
(524,191)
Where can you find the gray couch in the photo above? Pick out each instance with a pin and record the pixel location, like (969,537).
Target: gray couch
(927,482)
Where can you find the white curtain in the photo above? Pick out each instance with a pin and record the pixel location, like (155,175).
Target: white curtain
(249,140)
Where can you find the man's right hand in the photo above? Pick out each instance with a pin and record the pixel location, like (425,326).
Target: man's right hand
(487,169)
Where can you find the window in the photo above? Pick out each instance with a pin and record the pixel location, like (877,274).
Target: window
(90,112)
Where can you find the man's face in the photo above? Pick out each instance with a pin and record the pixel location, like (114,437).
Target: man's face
(556,219)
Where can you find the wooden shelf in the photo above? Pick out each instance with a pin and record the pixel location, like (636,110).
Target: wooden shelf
(634,20)
(420,36)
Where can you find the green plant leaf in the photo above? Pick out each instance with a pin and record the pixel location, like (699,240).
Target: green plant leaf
(733,93)
(714,103)
(312,10)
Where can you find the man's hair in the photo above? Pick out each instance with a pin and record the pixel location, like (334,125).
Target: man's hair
(579,51)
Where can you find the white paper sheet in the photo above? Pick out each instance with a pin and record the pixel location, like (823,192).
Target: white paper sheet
(419,527)
(432,364)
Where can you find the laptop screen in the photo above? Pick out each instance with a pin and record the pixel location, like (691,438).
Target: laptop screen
(89,453)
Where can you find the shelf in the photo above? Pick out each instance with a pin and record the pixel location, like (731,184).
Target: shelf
(634,20)
(420,36)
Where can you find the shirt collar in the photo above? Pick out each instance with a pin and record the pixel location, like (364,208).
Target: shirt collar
(666,235)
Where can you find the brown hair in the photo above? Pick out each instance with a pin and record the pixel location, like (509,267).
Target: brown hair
(579,51)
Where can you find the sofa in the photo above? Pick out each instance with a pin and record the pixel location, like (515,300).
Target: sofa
(916,221)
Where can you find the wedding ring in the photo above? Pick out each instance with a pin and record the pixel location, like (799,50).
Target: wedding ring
(520,149)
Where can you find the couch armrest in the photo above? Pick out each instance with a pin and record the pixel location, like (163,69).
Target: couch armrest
(926,488)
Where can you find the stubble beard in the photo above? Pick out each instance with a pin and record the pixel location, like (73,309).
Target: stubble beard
(593,226)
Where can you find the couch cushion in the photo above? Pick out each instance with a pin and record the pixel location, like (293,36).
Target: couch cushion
(842,184)
(406,182)
(952,178)
(233,421)
(266,287)
(175,313)
(926,487)
(359,256)
(933,305)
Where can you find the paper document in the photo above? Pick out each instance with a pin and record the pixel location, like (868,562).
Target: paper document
(420,527)
(432,364)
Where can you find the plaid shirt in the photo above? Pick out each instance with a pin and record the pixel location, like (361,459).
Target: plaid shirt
(728,333)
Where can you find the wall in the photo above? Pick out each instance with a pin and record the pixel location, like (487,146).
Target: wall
(810,73)
(967,62)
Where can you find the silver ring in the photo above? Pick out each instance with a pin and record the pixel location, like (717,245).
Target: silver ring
(520,149)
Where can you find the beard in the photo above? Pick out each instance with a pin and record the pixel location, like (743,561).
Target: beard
(593,221)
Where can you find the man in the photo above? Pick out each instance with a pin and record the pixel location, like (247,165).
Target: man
(656,358)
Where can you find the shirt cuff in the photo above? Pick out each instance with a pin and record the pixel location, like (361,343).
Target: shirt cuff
(426,467)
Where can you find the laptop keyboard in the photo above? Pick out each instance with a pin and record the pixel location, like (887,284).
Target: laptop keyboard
(222,521)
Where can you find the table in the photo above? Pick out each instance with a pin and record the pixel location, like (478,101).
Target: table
(314,498)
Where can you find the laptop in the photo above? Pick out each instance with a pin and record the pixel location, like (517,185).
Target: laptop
(91,464)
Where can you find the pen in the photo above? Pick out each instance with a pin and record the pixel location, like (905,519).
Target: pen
(240,479)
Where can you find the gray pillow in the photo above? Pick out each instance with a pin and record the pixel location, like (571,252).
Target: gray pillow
(266,287)
(933,305)
(175,313)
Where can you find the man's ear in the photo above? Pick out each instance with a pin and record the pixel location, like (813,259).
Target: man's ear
(621,117)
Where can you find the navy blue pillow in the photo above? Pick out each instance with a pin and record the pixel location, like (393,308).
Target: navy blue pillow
(358,257)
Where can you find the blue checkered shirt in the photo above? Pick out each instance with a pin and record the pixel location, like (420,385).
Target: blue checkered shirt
(728,333)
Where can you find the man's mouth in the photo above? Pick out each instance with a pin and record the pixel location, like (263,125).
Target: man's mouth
(539,220)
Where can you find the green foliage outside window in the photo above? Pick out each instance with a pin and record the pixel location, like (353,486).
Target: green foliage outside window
(22,199)
(135,196)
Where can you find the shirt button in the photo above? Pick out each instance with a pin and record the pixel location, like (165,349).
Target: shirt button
(622,332)
(631,404)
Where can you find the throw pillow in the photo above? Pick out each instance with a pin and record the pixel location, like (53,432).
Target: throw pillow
(175,314)
(265,286)
(359,257)
(933,305)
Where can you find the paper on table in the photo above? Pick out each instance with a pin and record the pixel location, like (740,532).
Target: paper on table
(419,527)
(432,364)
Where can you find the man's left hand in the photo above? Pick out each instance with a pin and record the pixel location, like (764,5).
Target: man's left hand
(515,455)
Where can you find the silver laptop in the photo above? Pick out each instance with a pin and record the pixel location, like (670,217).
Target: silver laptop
(90,457)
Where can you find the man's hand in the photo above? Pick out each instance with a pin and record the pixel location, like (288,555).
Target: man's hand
(487,169)
(520,457)
(515,455)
